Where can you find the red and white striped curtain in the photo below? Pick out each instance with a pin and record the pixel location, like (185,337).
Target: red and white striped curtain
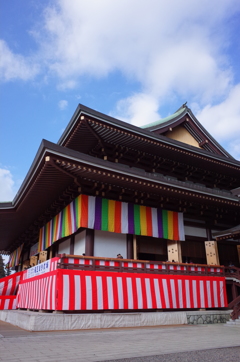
(92,290)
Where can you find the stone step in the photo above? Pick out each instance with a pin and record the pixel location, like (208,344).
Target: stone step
(233,323)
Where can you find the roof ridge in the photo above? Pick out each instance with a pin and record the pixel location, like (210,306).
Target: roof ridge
(168,118)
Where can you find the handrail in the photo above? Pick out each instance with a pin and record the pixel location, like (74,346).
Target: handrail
(232,272)
(235,305)
(137,266)
(234,301)
(136,260)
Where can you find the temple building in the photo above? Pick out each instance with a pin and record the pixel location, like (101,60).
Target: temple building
(165,192)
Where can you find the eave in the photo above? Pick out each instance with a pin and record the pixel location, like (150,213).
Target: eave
(93,128)
(58,174)
(233,233)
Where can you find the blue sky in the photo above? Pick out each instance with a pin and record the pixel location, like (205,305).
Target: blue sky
(137,60)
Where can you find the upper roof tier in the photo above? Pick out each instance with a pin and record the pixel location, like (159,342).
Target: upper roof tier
(183,126)
(181,130)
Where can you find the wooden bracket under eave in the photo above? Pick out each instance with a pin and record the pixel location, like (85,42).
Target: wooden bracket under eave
(203,143)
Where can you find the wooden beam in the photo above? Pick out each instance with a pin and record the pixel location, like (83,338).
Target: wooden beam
(89,242)
(129,246)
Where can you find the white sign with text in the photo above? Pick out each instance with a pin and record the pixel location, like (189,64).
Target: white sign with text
(39,269)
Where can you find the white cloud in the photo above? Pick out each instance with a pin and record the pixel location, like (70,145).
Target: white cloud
(234,148)
(67,84)
(227,114)
(62,104)
(139,109)
(15,66)
(173,49)
(7,192)
(223,120)
(164,39)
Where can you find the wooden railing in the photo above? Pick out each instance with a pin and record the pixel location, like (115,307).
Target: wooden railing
(137,266)
(232,272)
(235,305)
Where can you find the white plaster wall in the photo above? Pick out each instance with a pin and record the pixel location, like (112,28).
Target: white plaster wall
(79,243)
(109,244)
(64,247)
(195,231)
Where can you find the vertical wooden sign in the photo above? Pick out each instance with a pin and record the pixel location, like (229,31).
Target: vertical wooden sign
(174,251)
(212,252)
(42,256)
(33,260)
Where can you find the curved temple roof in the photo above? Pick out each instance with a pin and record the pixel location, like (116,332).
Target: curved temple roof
(60,171)
(184,116)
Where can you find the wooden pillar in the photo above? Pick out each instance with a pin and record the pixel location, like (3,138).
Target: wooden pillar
(54,249)
(212,253)
(72,245)
(26,264)
(129,246)
(50,253)
(209,233)
(21,262)
(89,242)
(174,250)
(135,256)
(234,291)
(238,249)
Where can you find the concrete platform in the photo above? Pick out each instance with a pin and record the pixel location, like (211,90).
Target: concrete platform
(37,321)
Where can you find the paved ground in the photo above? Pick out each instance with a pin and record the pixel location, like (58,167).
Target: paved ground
(210,343)
(231,354)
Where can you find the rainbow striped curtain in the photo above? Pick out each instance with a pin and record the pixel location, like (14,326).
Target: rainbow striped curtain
(15,257)
(115,216)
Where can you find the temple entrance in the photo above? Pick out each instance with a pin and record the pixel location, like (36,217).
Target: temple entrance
(149,248)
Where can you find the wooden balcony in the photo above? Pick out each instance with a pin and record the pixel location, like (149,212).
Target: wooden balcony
(76,262)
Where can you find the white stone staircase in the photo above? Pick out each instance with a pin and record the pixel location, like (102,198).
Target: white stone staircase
(233,323)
